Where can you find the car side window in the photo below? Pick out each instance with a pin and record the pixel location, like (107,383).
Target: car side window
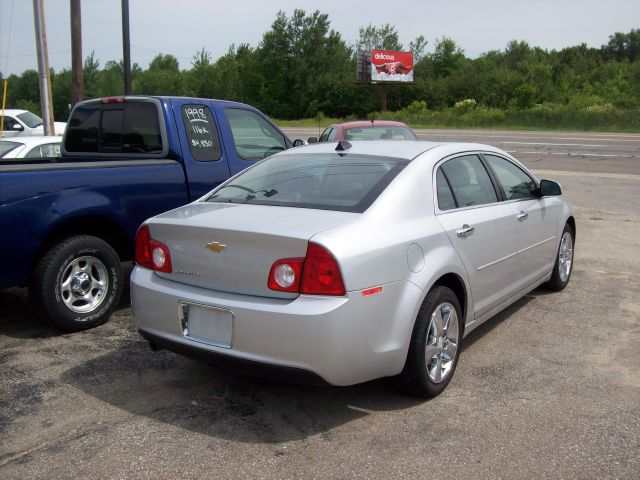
(333,135)
(47,150)
(255,138)
(325,135)
(515,183)
(445,197)
(9,124)
(469,181)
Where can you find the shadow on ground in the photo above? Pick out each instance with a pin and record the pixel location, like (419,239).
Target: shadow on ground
(167,388)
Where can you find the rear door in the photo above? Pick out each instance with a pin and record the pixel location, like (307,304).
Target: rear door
(482,230)
(204,157)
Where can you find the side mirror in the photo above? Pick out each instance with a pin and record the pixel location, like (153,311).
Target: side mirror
(549,188)
(312,140)
(18,127)
(298,142)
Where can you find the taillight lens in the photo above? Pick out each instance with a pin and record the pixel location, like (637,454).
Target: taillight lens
(316,274)
(151,253)
(321,274)
(143,254)
(286,274)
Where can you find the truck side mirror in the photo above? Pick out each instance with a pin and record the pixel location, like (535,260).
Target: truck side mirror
(298,142)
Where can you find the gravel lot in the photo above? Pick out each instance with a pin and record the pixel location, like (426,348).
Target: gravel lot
(549,388)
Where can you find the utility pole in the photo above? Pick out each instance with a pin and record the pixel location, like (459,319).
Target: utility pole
(77,80)
(43,68)
(126,48)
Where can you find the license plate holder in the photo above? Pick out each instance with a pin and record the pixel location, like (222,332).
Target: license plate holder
(206,324)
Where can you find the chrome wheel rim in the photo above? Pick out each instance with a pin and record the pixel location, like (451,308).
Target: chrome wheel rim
(565,257)
(442,342)
(84,284)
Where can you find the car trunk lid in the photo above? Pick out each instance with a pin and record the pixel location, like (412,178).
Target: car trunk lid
(231,247)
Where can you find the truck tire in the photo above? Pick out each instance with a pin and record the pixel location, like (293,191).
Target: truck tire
(78,283)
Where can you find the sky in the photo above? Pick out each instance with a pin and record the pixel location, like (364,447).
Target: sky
(183,27)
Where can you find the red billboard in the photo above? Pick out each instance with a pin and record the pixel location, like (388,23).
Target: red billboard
(391,66)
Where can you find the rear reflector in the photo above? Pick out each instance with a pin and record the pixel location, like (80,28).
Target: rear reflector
(371,291)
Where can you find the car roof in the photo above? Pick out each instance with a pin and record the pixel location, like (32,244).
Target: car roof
(12,111)
(369,124)
(404,149)
(33,140)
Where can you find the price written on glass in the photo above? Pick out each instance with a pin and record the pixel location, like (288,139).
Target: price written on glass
(201,143)
(201,132)
(198,119)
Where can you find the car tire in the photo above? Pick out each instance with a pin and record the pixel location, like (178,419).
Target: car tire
(435,345)
(78,283)
(564,261)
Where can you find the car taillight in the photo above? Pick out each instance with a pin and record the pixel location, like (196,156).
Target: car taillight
(285,275)
(315,274)
(151,253)
(321,274)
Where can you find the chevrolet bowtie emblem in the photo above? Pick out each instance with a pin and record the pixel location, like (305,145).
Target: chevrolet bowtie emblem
(216,246)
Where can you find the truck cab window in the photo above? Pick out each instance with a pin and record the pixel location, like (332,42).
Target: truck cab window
(254,137)
(115,128)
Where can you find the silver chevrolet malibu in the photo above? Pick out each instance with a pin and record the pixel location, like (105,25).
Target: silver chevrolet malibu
(344,262)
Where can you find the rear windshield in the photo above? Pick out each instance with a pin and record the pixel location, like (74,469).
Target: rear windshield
(31,119)
(6,147)
(342,182)
(130,127)
(380,133)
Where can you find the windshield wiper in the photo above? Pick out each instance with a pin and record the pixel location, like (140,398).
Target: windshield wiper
(251,194)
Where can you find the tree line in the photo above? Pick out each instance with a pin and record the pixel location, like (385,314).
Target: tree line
(302,68)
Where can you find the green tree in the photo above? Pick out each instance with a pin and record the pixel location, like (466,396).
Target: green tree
(163,77)
(623,46)
(417,47)
(384,37)
(299,59)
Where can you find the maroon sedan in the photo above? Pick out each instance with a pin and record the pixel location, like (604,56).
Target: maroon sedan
(366,130)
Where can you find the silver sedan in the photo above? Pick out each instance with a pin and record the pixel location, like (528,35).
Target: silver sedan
(344,262)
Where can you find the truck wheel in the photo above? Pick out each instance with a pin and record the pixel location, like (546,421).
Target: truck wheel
(78,283)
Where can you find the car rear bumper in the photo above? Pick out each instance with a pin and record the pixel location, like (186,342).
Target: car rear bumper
(341,340)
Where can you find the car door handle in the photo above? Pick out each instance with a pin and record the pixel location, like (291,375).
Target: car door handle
(522,216)
(465,231)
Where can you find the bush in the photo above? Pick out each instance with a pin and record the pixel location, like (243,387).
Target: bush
(465,105)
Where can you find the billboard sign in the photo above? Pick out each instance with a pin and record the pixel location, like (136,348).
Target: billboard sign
(391,66)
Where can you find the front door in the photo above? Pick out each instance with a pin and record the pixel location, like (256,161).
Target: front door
(482,230)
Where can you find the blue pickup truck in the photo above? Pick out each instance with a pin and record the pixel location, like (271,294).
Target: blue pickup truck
(68,223)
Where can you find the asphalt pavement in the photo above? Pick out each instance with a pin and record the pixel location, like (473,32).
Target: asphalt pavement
(550,388)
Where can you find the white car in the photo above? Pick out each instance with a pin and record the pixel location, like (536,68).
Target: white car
(22,123)
(341,263)
(30,147)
